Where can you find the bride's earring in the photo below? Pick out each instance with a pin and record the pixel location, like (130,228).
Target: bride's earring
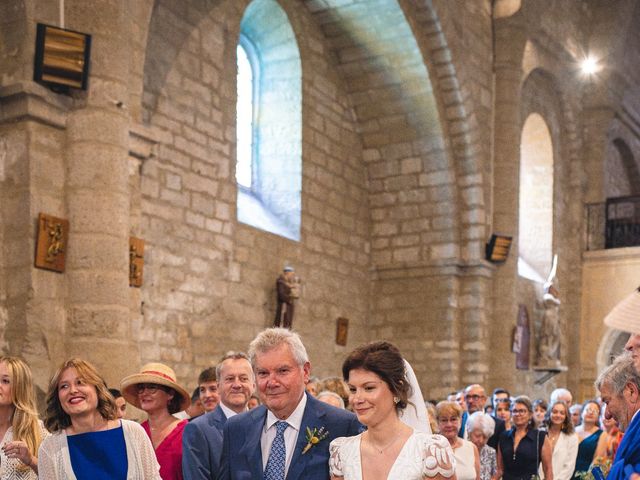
(396,400)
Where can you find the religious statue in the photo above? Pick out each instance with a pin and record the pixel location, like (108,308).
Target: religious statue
(548,347)
(287,291)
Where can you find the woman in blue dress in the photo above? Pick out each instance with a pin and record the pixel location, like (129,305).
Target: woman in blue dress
(589,432)
(88,442)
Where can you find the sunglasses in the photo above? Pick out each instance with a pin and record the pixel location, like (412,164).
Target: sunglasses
(150,387)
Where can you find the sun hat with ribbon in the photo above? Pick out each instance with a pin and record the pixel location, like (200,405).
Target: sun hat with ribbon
(625,315)
(157,373)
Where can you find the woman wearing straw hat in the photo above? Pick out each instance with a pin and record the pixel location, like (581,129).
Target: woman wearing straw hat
(88,441)
(156,391)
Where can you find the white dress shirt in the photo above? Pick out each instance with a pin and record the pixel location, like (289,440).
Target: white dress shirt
(227,411)
(290,434)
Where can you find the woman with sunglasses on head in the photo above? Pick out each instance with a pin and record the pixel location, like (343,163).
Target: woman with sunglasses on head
(88,442)
(156,391)
(20,430)
(563,440)
(522,448)
(589,433)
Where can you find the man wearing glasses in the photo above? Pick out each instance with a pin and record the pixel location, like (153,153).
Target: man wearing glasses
(475,398)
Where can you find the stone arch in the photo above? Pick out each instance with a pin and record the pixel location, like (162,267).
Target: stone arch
(622,173)
(611,345)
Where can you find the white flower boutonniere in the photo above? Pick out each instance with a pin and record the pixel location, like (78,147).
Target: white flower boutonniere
(314,437)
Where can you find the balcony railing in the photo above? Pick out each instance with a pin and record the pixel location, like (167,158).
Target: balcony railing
(613,224)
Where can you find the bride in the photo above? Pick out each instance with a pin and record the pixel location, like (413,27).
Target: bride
(389,449)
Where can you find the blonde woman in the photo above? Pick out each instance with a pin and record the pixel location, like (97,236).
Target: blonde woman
(20,429)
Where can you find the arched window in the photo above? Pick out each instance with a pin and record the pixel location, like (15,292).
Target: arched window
(269,157)
(245,112)
(535,233)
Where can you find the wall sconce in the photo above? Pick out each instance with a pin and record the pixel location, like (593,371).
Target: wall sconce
(62,58)
(497,249)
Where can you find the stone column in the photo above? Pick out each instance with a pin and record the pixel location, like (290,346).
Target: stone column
(99,319)
(509,46)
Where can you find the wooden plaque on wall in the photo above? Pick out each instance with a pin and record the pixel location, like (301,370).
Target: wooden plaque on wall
(342,329)
(51,246)
(136,261)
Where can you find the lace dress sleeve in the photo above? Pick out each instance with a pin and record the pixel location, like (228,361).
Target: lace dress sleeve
(46,461)
(336,456)
(437,457)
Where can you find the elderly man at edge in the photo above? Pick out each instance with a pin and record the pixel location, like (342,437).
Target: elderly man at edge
(272,439)
(202,437)
(619,386)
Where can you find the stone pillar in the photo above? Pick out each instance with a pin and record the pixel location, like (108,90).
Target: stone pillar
(99,320)
(510,41)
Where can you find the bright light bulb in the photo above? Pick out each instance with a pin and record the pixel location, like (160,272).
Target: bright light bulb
(589,66)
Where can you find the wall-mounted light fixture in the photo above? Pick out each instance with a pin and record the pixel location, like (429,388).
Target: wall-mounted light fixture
(62,58)
(497,249)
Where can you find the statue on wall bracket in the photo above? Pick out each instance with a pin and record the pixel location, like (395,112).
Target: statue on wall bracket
(287,292)
(549,336)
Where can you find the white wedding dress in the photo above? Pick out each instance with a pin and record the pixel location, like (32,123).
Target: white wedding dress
(423,455)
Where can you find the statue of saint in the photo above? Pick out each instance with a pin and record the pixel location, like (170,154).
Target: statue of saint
(287,291)
(550,330)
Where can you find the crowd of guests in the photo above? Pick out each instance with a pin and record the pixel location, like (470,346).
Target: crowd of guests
(370,423)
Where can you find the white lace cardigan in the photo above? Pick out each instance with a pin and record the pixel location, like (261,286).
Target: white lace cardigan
(54,462)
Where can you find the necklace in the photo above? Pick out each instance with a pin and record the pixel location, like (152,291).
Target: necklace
(381,450)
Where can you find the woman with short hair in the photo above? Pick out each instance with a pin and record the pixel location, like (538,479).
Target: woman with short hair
(88,442)
(449,418)
(481,427)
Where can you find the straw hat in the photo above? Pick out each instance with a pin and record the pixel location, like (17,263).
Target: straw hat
(625,315)
(157,373)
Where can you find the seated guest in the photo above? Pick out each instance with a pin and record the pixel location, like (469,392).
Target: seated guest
(331,398)
(88,442)
(23,432)
(481,427)
(522,448)
(563,440)
(589,433)
(202,438)
(121,403)
(449,416)
(156,391)
(208,388)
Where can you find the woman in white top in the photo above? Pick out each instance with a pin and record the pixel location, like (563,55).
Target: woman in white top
(449,416)
(378,391)
(88,442)
(563,439)
(20,429)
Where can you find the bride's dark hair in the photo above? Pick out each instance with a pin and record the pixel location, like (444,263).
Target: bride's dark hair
(383,359)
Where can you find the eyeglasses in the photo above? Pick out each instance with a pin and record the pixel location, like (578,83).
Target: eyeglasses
(150,387)
(518,411)
(474,397)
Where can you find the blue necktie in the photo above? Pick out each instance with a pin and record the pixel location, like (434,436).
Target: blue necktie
(277,455)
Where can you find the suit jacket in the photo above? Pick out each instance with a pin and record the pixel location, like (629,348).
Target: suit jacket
(202,445)
(493,440)
(242,453)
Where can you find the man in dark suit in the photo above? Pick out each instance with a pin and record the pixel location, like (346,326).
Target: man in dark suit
(272,440)
(202,437)
(475,397)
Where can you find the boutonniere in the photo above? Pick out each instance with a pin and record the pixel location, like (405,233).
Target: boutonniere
(314,437)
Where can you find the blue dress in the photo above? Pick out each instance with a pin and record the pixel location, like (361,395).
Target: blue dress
(586,451)
(99,455)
